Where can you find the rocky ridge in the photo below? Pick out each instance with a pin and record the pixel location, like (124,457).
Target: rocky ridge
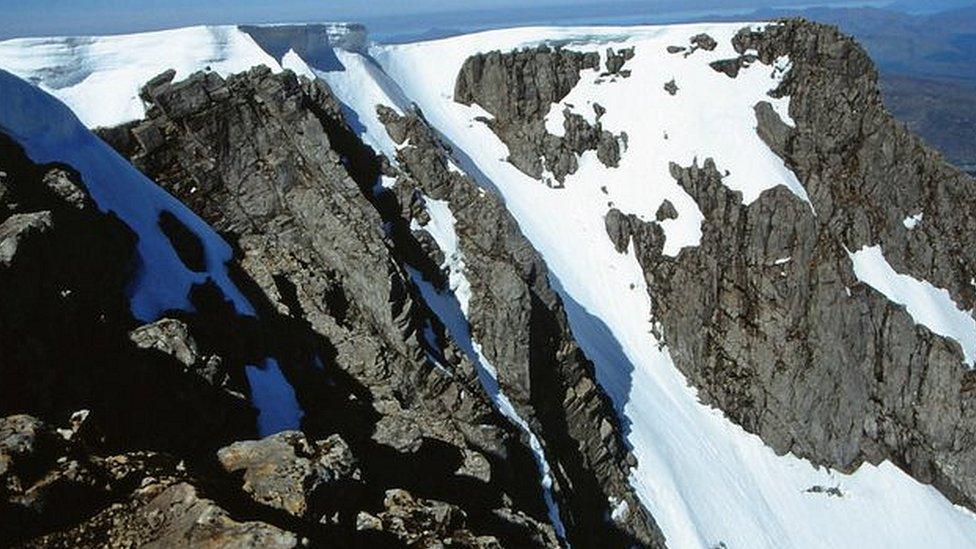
(521,326)
(313,246)
(381,417)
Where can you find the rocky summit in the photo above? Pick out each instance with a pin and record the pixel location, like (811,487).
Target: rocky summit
(681,286)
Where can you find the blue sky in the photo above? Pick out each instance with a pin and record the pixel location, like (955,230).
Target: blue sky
(60,17)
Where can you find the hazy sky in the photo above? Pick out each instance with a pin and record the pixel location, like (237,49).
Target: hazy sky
(60,17)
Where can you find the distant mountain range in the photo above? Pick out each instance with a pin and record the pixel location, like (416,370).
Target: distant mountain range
(927,65)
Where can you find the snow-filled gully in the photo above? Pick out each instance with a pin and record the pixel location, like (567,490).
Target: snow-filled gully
(360,88)
(451,307)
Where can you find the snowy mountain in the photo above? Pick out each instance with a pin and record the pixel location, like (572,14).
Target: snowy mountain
(684,286)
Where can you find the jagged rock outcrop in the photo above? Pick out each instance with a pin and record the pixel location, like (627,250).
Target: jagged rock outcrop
(766,316)
(288,472)
(268,160)
(521,326)
(616,60)
(519,88)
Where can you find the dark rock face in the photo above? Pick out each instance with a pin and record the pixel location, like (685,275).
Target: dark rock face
(731,67)
(797,350)
(519,88)
(269,162)
(666,211)
(65,322)
(521,326)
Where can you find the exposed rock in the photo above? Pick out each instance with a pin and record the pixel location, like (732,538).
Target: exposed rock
(671,87)
(616,60)
(731,67)
(666,211)
(425,523)
(519,88)
(189,519)
(168,336)
(50,480)
(830,491)
(19,229)
(521,326)
(288,472)
(676,49)
(175,515)
(704,41)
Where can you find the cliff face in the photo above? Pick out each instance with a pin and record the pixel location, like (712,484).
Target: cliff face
(767,316)
(518,88)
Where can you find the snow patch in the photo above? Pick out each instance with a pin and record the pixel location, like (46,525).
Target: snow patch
(912,221)
(361,87)
(929,306)
(294,62)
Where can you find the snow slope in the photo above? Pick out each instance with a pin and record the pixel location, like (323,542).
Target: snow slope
(49,132)
(706,481)
(100,77)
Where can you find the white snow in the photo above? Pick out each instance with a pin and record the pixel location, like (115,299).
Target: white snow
(360,88)
(293,62)
(451,307)
(49,132)
(620,510)
(100,77)
(911,221)
(704,479)
(929,306)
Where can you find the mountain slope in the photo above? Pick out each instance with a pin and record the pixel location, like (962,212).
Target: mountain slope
(682,192)
(370,375)
(685,476)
